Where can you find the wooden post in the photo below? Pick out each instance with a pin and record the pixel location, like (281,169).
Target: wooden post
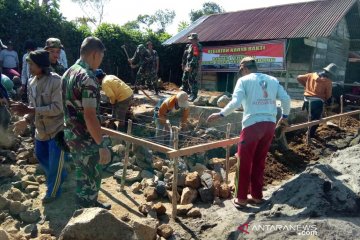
(341,109)
(126,161)
(228,127)
(309,120)
(175,176)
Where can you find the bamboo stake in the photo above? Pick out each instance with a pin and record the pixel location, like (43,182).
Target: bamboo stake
(135,140)
(228,127)
(341,109)
(175,176)
(316,122)
(308,129)
(126,161)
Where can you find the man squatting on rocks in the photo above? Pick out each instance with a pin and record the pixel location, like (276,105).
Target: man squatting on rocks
(318,90)
(257,93)
(172,107)
(46,106)
(81,96)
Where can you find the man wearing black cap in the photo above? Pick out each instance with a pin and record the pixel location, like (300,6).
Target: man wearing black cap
(193,62)
(54,46)
(318,89)
(46,111)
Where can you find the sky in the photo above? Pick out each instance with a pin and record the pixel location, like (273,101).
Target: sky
(120,12)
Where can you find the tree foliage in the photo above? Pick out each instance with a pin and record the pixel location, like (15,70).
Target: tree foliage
(182,25)
(93,10)
(207,9)
(161,19)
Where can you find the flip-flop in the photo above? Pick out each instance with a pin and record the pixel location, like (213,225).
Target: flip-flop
(238,205)
(255,201)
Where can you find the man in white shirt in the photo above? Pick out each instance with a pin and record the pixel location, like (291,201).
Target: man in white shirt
(257,93)
(9,61)
(25,72)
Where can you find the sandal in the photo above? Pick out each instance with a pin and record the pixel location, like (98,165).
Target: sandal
(239,204)
(256,201)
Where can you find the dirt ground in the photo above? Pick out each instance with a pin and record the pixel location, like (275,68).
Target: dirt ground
(282,165)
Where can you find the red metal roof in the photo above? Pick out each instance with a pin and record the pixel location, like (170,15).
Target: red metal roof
(306,19)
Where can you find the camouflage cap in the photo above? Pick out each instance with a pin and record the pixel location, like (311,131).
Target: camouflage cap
(193,36)
(53,43)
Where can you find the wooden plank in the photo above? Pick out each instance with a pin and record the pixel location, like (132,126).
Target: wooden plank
(307,124)
(126,160)
(136,140)
(202,147)
(175,175)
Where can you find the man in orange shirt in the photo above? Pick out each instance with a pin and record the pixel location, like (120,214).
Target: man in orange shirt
(174,107)
(318,89)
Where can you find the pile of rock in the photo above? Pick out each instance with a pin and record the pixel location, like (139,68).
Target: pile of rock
(215,101)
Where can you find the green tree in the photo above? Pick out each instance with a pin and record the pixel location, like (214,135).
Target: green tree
(131,25)
(182,25)
(207,9)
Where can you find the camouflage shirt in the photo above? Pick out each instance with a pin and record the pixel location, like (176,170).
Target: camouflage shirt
(194,53)
(58,68)
(80,89)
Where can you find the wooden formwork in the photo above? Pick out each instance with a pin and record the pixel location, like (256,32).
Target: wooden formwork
(175,153)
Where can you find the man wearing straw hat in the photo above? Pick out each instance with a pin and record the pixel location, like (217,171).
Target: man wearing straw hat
(318,89)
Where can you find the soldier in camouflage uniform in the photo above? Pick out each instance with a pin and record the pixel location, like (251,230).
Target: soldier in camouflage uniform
(193,62)
(148,62)
(81,94)
(54,46)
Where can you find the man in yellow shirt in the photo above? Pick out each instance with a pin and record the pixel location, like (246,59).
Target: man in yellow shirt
(119,94)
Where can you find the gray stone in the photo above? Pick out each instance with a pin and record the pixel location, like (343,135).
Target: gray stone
(146,174)
(4,235)
(200,168)
(31,188)
(143,157)
(27,183)
(136,187)
(145,229)
(4,203)
(193,180)
(30,216)
(150,194)
(223,101)
(114,167)
(182,210)
(16,207)
(201,101)
(213,100)
(206,194)
(88,223)
(207,180)
(159,208)
(25,155)
(160,188)
(355,141)
(6,171)
(165,231)
(15,195)
(194,213)
(170,196)
(131,175)
(188,196)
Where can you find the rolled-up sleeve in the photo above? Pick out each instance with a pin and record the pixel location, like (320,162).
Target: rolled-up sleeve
(89,93)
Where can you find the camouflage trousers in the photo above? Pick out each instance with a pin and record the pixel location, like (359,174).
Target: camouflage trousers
(189,82)
(88,176)
(146,78)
